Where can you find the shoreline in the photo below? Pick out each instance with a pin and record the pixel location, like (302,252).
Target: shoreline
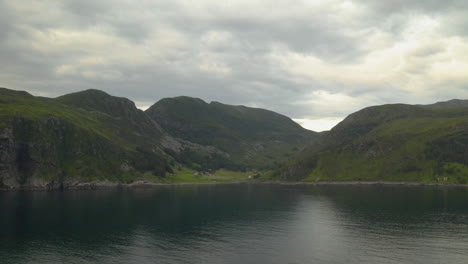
(103,185)
(365,183)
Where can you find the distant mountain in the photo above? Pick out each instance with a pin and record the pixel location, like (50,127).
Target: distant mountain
(254,138)
(390,143)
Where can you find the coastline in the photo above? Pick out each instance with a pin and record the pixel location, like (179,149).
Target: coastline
(100,185)
(365,183)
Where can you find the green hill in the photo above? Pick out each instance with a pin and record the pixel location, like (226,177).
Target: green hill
(390,143)
(46,143)
(253,138)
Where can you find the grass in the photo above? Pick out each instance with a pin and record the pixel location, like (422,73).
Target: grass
(35,108)
(187,175)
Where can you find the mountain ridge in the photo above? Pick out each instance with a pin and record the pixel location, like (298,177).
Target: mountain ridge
(91,135)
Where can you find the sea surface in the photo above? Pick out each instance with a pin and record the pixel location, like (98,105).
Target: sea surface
(237,223)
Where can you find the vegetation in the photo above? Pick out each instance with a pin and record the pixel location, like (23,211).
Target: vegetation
(91,135)
(60,143)
(186,175)
(389,143)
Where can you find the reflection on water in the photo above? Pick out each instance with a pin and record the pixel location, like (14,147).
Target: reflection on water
(237,224)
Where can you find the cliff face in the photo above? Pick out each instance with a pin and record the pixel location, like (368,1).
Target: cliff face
(51,153)
(43,153)
(9,168)
(24,155)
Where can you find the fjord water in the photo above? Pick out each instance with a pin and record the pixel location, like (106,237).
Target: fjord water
(237,223)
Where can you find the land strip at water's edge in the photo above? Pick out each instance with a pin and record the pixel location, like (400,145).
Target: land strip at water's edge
(99,185)
(389,183)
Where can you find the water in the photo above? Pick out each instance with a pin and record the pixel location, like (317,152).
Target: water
(237,224)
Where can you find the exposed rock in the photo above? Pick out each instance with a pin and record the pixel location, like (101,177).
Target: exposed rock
(171,143)
(8,159)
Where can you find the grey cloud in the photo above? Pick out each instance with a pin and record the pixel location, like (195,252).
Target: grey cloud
(303,34)
(5,21)
(394,15)
(251,76)
(396,6)
(113,14)
(457,22)
(132,31)
(86,12)
(300,35)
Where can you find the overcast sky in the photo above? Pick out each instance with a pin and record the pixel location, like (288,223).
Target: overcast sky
(315,61)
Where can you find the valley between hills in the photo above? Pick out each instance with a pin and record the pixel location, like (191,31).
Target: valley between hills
(90,139)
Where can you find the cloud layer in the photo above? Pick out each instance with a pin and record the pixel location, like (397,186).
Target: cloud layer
(308,59)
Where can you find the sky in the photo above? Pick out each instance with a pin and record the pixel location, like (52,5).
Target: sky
(316,61)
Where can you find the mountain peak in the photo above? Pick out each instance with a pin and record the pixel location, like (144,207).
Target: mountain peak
(94,92)
(182,99)
(97,100)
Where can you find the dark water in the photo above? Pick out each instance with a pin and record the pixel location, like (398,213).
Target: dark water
(237,224)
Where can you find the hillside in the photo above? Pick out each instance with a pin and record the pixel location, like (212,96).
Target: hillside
(390,143)
(253,138)
(45,143)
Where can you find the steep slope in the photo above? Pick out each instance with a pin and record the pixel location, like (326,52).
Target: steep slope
(254,138)
(390,143)
(44,143)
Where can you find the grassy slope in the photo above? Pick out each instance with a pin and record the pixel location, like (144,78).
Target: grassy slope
(14,103)
(187,175)
(391,143)
(60,141)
